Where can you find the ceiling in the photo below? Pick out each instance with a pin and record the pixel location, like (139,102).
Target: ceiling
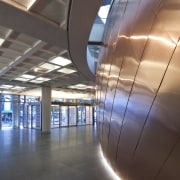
(43,43)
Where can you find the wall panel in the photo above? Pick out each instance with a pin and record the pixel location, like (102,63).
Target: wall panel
(139,90)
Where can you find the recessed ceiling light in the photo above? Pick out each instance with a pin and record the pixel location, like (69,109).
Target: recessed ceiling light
(35,81)
(4,86)
(18,87)
(79,86)
(66,70)
(42,79)
(91,87)
(1,41)
(27,76)
(60,61)
(21,79)
(72,87)
(50,67)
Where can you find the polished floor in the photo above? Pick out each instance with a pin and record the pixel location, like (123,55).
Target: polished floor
(64,154)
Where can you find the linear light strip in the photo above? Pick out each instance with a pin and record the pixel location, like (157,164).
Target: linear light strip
(107,166)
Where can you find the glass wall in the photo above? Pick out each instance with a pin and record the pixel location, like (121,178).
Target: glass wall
(18,111)
(6,112)
(89,115)
(55,116)
(21,109)
(72,115)
(81,115)
(64,116)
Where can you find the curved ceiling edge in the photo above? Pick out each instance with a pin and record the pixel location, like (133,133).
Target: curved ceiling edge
(82,16)
(28,23)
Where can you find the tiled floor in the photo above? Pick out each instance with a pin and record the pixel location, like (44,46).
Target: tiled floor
(64,154)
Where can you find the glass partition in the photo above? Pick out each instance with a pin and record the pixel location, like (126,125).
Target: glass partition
(32,115)
(89,115)
(55,116)
(64,116)
(72,115)
(22,114)
(6,111)
(81,115)
(25,112)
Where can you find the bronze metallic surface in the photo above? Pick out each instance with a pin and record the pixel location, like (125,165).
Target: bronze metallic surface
(139,90)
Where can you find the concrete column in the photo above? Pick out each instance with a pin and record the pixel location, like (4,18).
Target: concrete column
(0,112)
(46,109)
(15,111)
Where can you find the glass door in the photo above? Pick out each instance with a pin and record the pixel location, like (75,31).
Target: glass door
(89,115)
(81,115)
(33,116)
(21,115)
(6,112)
(64,116)
(72,115)
(55,114)
(6,118)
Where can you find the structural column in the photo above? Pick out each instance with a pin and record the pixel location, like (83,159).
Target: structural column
(0,111)
(15,111)
(46,109)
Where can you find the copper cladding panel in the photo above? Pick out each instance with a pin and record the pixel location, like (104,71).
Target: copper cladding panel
(140,129)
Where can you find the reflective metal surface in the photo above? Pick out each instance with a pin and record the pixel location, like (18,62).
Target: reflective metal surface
(138,90)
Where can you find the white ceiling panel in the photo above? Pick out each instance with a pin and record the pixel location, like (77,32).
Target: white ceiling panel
(22,54)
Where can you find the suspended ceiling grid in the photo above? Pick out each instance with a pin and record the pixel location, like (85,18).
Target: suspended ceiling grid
(26,61)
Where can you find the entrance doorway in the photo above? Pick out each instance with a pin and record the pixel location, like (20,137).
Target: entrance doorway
(33,118)
(55,114)
(6,119)
(81,115)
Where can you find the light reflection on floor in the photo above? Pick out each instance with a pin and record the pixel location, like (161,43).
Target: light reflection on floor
(10,127)
(6,127)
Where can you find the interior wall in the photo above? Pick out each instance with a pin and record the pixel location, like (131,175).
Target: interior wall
(138,90)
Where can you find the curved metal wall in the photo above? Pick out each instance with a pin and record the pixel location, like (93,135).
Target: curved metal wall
(138,90)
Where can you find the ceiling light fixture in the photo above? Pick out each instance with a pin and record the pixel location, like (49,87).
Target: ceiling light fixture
(49,67)
(21,79)
(60,61)
(31,3)
(42,79)
(27,76)
(4,86)
(36,81)
(18,87)
(79,86)
(66,70)
(1,41)
(91,87)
